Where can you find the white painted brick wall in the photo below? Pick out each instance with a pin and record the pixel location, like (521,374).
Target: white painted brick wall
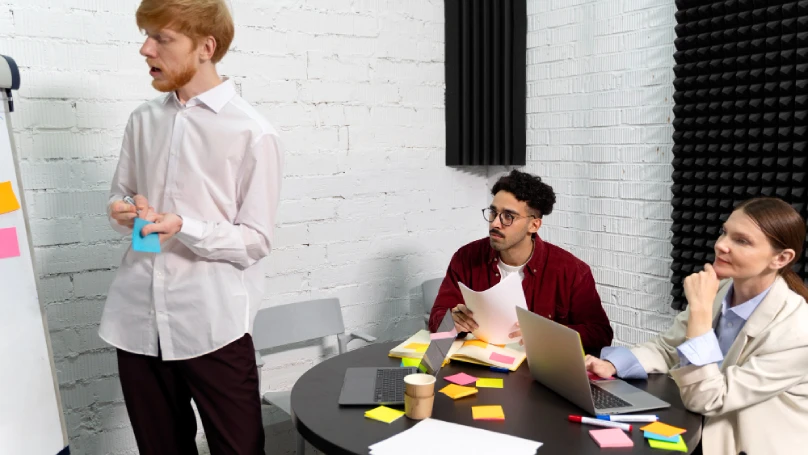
(369,210)
(599,85)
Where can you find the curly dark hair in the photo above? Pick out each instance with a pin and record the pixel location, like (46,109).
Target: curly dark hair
(528,188)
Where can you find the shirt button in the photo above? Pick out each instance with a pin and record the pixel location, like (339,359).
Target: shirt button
(729,324)
(159,274)
(534,270)
(496,274)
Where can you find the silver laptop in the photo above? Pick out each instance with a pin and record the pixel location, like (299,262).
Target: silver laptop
(555,359)
(385,385)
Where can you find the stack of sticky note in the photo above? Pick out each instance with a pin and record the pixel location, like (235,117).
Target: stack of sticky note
(613,437)
(663,436)
(384,414)
(487,412)
(455,391)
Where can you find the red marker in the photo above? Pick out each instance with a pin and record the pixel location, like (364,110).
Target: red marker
(600,423)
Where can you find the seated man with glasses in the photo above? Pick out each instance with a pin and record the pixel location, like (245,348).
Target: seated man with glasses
(557,285)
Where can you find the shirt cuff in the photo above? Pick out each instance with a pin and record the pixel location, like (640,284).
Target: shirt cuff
(701,350)
(624,361)
(192,231)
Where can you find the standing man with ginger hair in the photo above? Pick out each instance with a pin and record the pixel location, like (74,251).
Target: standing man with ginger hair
(205,168)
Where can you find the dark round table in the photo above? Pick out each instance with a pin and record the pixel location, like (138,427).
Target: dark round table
(531,410)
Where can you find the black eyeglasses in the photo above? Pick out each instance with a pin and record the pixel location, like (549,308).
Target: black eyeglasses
(506,218)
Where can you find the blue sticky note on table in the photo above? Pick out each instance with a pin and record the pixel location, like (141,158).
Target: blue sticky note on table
(659,437)
(148,244)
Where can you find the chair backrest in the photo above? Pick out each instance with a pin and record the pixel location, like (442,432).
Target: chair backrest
(430,290)
(296,322)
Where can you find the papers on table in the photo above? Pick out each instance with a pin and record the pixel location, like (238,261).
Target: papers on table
(455,391)
(437,436)
(613,437)
(494,309)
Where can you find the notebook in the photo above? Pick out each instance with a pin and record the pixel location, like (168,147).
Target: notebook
(469,350)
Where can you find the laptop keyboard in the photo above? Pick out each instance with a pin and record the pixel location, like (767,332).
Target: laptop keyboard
(390,384)
(606,400)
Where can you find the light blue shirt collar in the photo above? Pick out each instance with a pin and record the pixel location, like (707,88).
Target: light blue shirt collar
(745,309)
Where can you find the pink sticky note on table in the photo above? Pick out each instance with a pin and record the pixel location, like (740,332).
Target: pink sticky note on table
(442,335)
(461,379)
(497,357)
(9,245)
(613,437)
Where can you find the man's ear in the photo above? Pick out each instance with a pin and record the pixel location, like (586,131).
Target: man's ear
(207,47)
(782,259)
(535,224)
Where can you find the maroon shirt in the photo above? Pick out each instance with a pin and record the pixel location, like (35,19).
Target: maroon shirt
(557,285)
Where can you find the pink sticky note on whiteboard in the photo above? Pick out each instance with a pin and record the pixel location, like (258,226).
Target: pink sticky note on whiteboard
(9,245)
(497,357)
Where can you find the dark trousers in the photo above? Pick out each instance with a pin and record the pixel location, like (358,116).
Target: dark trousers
(224,386)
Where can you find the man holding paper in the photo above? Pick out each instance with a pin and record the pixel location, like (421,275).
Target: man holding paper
(556,284)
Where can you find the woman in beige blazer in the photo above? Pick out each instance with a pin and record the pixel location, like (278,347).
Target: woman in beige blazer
(739,353)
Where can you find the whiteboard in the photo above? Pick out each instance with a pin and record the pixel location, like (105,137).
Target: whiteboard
(31,420)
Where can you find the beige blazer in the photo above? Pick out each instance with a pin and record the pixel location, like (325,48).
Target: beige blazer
(757,401)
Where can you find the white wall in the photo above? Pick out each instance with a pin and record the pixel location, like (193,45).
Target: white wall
(599,111)
(369,210)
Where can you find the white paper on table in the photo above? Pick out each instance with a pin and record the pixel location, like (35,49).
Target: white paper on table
(495,309)
(437,436)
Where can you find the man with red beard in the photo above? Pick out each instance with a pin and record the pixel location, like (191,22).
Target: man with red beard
(557,285)
(205,168)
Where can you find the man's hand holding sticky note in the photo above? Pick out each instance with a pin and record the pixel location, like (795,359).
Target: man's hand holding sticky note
(148,244)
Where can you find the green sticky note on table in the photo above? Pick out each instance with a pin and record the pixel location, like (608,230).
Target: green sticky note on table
(678,446)
(408,362)
(491,383)
(148,244)
(384,414)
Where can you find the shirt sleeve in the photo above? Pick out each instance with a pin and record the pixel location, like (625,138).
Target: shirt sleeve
(586,315)
(124,182)
(449,295)
(249,238)
(626,364)
(701,350)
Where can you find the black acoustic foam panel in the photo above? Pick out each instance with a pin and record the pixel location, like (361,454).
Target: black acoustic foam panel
(741,119)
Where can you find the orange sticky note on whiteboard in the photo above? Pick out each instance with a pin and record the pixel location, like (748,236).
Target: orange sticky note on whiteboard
(8,201)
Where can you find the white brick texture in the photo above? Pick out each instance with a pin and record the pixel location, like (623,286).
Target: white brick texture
(599,111)
(369,210)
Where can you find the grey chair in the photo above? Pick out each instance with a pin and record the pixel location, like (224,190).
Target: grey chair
(430,290)
(295,322)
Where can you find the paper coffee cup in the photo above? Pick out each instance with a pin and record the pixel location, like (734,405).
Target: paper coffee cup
(418,408)
(419,385)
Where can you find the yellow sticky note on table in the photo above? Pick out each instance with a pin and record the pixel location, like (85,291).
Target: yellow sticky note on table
(478,343)
(8,201)
(408,362)
(678,446)
(491,383)
(455,391)
(663,429)
(384,414)
(417,347)
(487,412)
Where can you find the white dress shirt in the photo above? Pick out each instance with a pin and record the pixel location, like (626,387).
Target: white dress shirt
(218,164)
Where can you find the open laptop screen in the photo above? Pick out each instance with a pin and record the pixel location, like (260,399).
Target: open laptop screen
(437,351)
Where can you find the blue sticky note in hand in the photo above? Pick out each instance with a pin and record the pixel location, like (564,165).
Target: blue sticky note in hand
(148,244)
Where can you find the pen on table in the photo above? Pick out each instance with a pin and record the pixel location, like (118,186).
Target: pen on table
(600,423)
(629,418)
(499,369)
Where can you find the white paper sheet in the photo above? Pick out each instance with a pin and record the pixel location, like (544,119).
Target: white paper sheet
(495,309)
(438,437)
